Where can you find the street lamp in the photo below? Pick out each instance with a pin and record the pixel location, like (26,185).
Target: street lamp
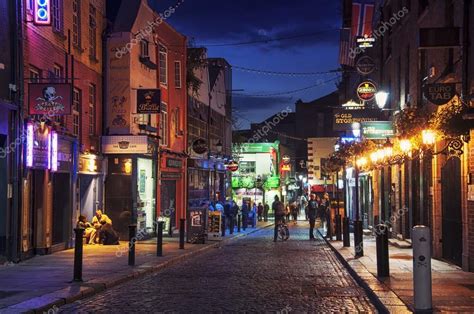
(429,139)
(381,99)
(405,146)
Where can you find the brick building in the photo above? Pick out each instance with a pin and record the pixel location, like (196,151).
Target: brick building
(60,185)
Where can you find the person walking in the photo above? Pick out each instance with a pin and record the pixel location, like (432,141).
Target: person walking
(312,210)
(294,212)
(234,210)
(287,212)
(279,210)
(245,214)
(259,211)
(266,209)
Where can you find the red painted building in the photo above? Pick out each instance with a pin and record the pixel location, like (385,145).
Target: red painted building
(144,144)
(67,181)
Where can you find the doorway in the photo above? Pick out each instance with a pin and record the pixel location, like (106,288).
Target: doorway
(451,210)
(61,208)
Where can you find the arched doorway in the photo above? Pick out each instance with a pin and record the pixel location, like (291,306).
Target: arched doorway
(452,210)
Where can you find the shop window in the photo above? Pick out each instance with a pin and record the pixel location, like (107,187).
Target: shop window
(76,103)
(247,167)
(164,124)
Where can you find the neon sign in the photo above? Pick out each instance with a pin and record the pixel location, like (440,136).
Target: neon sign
(54,152)
(29,144)
(42,12)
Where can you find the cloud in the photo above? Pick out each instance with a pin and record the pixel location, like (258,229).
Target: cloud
(217,21)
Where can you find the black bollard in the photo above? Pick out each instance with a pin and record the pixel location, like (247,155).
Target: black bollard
(338,228)
(329,226)
(358,239)
(238,222)
(346,239)
(223,226)
(383,266)
(181,233)
(132,231)
(159,239)
(78,253)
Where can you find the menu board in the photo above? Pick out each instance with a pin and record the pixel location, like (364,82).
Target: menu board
(214,225)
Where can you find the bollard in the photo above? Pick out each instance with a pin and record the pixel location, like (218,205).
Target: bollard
(345,232)
(159,239)
(422,268)
(383,266)
(329,226)
(181,234)
(358,239)
(338,227)
(132,231)
(223,226)
(238,222)
(78,253)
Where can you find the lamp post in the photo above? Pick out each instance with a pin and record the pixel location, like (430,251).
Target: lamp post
(428,139)
(358,233)
(345,221)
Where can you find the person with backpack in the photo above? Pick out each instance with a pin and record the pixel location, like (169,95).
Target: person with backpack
(245,214)
(279,210)
(312,210)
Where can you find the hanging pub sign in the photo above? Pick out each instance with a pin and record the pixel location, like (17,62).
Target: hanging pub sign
(377,130)
(49,99)
(344,119)
(365,41)
(365,65)
(174,163)
(42,12)
(439,94)
(366,91)
(200,146)
(232,166)
(148,101)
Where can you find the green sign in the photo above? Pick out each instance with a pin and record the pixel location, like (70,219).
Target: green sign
(377,130)
(272,183)
(259,147)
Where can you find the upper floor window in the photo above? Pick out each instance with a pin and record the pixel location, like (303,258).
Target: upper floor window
(144,49)
(76,105)
(35,74)
(92,108)
(164,125)
(76,22)
(163,65)
(177,74)
(57,15)
(422,5)
(92,31)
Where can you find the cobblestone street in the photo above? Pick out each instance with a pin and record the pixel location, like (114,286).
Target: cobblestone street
(250,274)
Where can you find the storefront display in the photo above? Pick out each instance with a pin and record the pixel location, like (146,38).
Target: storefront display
(146,202)
(214,225)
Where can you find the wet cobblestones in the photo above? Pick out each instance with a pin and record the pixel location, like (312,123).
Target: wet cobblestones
(252,274)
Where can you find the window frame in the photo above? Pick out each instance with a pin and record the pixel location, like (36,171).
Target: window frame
(35,74)
(76,22)
(177,74)
(76,107)
(57,16)
(164,125)
(144,48)
(92,31)
(92,109)
(163,72)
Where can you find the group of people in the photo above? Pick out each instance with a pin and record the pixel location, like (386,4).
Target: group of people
(100,230)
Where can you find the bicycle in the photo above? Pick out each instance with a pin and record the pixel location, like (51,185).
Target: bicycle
(283,231)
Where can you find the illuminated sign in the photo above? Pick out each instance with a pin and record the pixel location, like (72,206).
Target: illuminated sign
(30,129)
(344,119)
(365,41)
(286,168)
(148,101)
(38,146)
(54,151)
(42,12)
(366,91)
(377,130)
(49,99)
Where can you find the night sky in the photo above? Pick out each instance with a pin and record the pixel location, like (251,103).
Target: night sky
(314,47)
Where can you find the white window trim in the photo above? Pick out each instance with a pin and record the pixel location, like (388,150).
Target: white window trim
(92,110)
(164,141)
(76,113)
(165,53)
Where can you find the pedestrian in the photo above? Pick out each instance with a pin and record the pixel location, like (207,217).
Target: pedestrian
(234,210)
(259,211)
(266,209)
(245,214)
(303,204)
(294,211)
(279,210)
(253,215)
(312,210)
(287,212)
(326,213)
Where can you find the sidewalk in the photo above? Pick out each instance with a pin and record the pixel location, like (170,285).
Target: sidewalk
(453,289)
(45,282)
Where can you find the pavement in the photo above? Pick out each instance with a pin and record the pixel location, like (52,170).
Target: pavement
(44,283)
(250,275)
(453,288)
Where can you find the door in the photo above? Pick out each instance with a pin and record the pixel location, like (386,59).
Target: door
(451,210)
(168,201)
(62,210)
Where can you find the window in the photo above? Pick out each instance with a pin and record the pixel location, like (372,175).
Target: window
(76,105)
(177,122)
(29,4)
(35,75)
(164,125)
(177,74)
(76,22)
(92,32)
(407,75)
(144,49)
(57,75)
(92,108)
(57,15)
(247,167)
(422,5)
(163,65)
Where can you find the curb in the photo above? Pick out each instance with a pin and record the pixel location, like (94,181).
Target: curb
(378,303)
(53,300)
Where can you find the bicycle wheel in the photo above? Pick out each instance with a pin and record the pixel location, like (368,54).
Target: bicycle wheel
(286,233)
